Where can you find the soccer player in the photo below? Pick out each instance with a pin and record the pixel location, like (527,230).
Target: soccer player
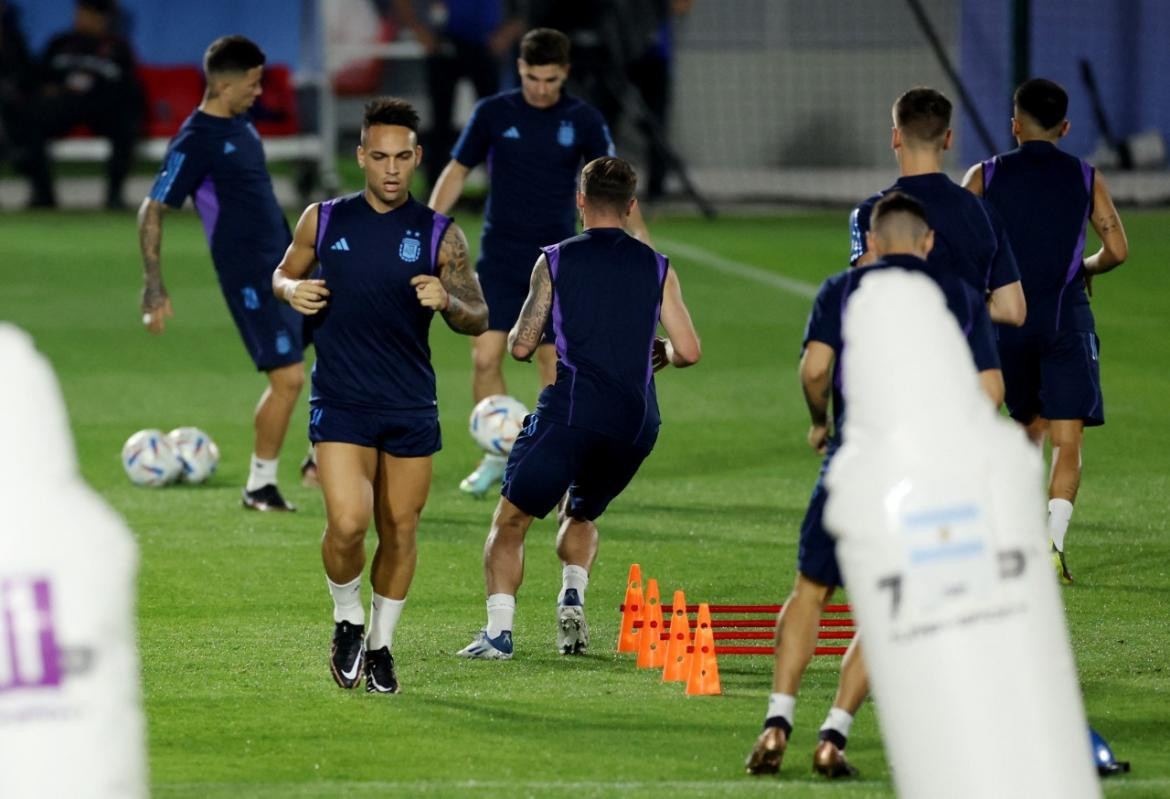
(534,139)
(968,238)
(605,292)
(388,263)
(1045,198)
(218,161)
(898,237)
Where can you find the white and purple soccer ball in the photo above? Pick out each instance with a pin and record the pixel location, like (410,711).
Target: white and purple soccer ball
(495,423)
(149,459)
(197,453)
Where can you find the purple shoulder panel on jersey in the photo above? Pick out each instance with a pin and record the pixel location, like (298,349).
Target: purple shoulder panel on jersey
(552,254)
(323,212)
(438,230)
(663,264)
(989,171)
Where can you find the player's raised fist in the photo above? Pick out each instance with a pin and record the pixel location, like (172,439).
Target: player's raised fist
(308,296)
(430,292)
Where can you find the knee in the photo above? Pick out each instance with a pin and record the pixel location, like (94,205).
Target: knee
(486,360)
(347,530)
(399,533)
(288,380)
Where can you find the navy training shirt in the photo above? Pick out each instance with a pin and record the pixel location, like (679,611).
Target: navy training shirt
(1045,197)
(372,339)
(533,156)
(963,301)
(219,163)
(969,237)
(607,295)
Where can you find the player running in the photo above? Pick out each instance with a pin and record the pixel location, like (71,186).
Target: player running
(898,237)
(534,139)
(1051,373)
(605,293)
(388,263)
(218,161)
(968,237)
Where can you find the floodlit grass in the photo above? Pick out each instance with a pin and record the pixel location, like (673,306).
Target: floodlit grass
(234,617)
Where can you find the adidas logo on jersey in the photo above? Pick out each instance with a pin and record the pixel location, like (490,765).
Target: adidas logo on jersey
(341,245)
(512,133)
(228,147)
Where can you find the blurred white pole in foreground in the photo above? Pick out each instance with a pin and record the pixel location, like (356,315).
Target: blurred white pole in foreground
(70,705)
(938,507)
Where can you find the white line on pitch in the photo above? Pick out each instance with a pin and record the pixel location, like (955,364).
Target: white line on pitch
(737,268)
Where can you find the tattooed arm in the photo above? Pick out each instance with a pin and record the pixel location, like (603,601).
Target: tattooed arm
(156,305)
(1106,221)
(524,337)
(455,293)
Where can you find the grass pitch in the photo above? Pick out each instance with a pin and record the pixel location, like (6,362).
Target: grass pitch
(234,620)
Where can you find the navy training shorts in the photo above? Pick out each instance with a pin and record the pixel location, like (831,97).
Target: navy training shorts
(272,332)
(403,435)
(549,459)
(505,271)
(1054,375)
(816,558)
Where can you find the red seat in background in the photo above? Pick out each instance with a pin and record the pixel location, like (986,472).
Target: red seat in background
(172,93)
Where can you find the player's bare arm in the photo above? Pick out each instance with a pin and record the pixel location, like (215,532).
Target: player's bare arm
(1107,223)
(973,180)
(636,225)
(156,305)
(991,381)
(288,280)
(816,379)
(524,337)
(448,187)
(681,348)
(455,292)
(1007,305)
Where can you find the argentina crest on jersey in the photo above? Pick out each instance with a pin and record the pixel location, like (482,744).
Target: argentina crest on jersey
(565,134)
(409,248)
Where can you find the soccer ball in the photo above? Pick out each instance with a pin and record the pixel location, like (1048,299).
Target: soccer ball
(149,459)
(495,423)
(197,453)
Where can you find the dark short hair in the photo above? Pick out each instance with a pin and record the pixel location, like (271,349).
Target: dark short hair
(106,8)
(1044,100)
(609,182)
(232,54)
(923,114)
(541,46)
(389,111)
(895,202)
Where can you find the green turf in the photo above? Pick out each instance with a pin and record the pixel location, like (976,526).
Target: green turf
(234,615)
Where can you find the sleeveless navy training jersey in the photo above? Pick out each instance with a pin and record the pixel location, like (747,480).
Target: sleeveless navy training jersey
(219,162)
(1045,198)
(964,302)
(607,295)
(372,338)
(969,237)
(532,155)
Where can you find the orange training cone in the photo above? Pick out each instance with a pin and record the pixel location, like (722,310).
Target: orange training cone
(631,611)
(678,660)
(704,676)
(651,647)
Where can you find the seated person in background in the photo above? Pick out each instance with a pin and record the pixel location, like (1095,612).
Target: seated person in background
(88,77)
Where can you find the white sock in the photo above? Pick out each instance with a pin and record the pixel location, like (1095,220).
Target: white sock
(839,720)
(347,601)
(501,608)
(781,706)
(262,473)
(384,615)
(573,577)
(1059,513)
